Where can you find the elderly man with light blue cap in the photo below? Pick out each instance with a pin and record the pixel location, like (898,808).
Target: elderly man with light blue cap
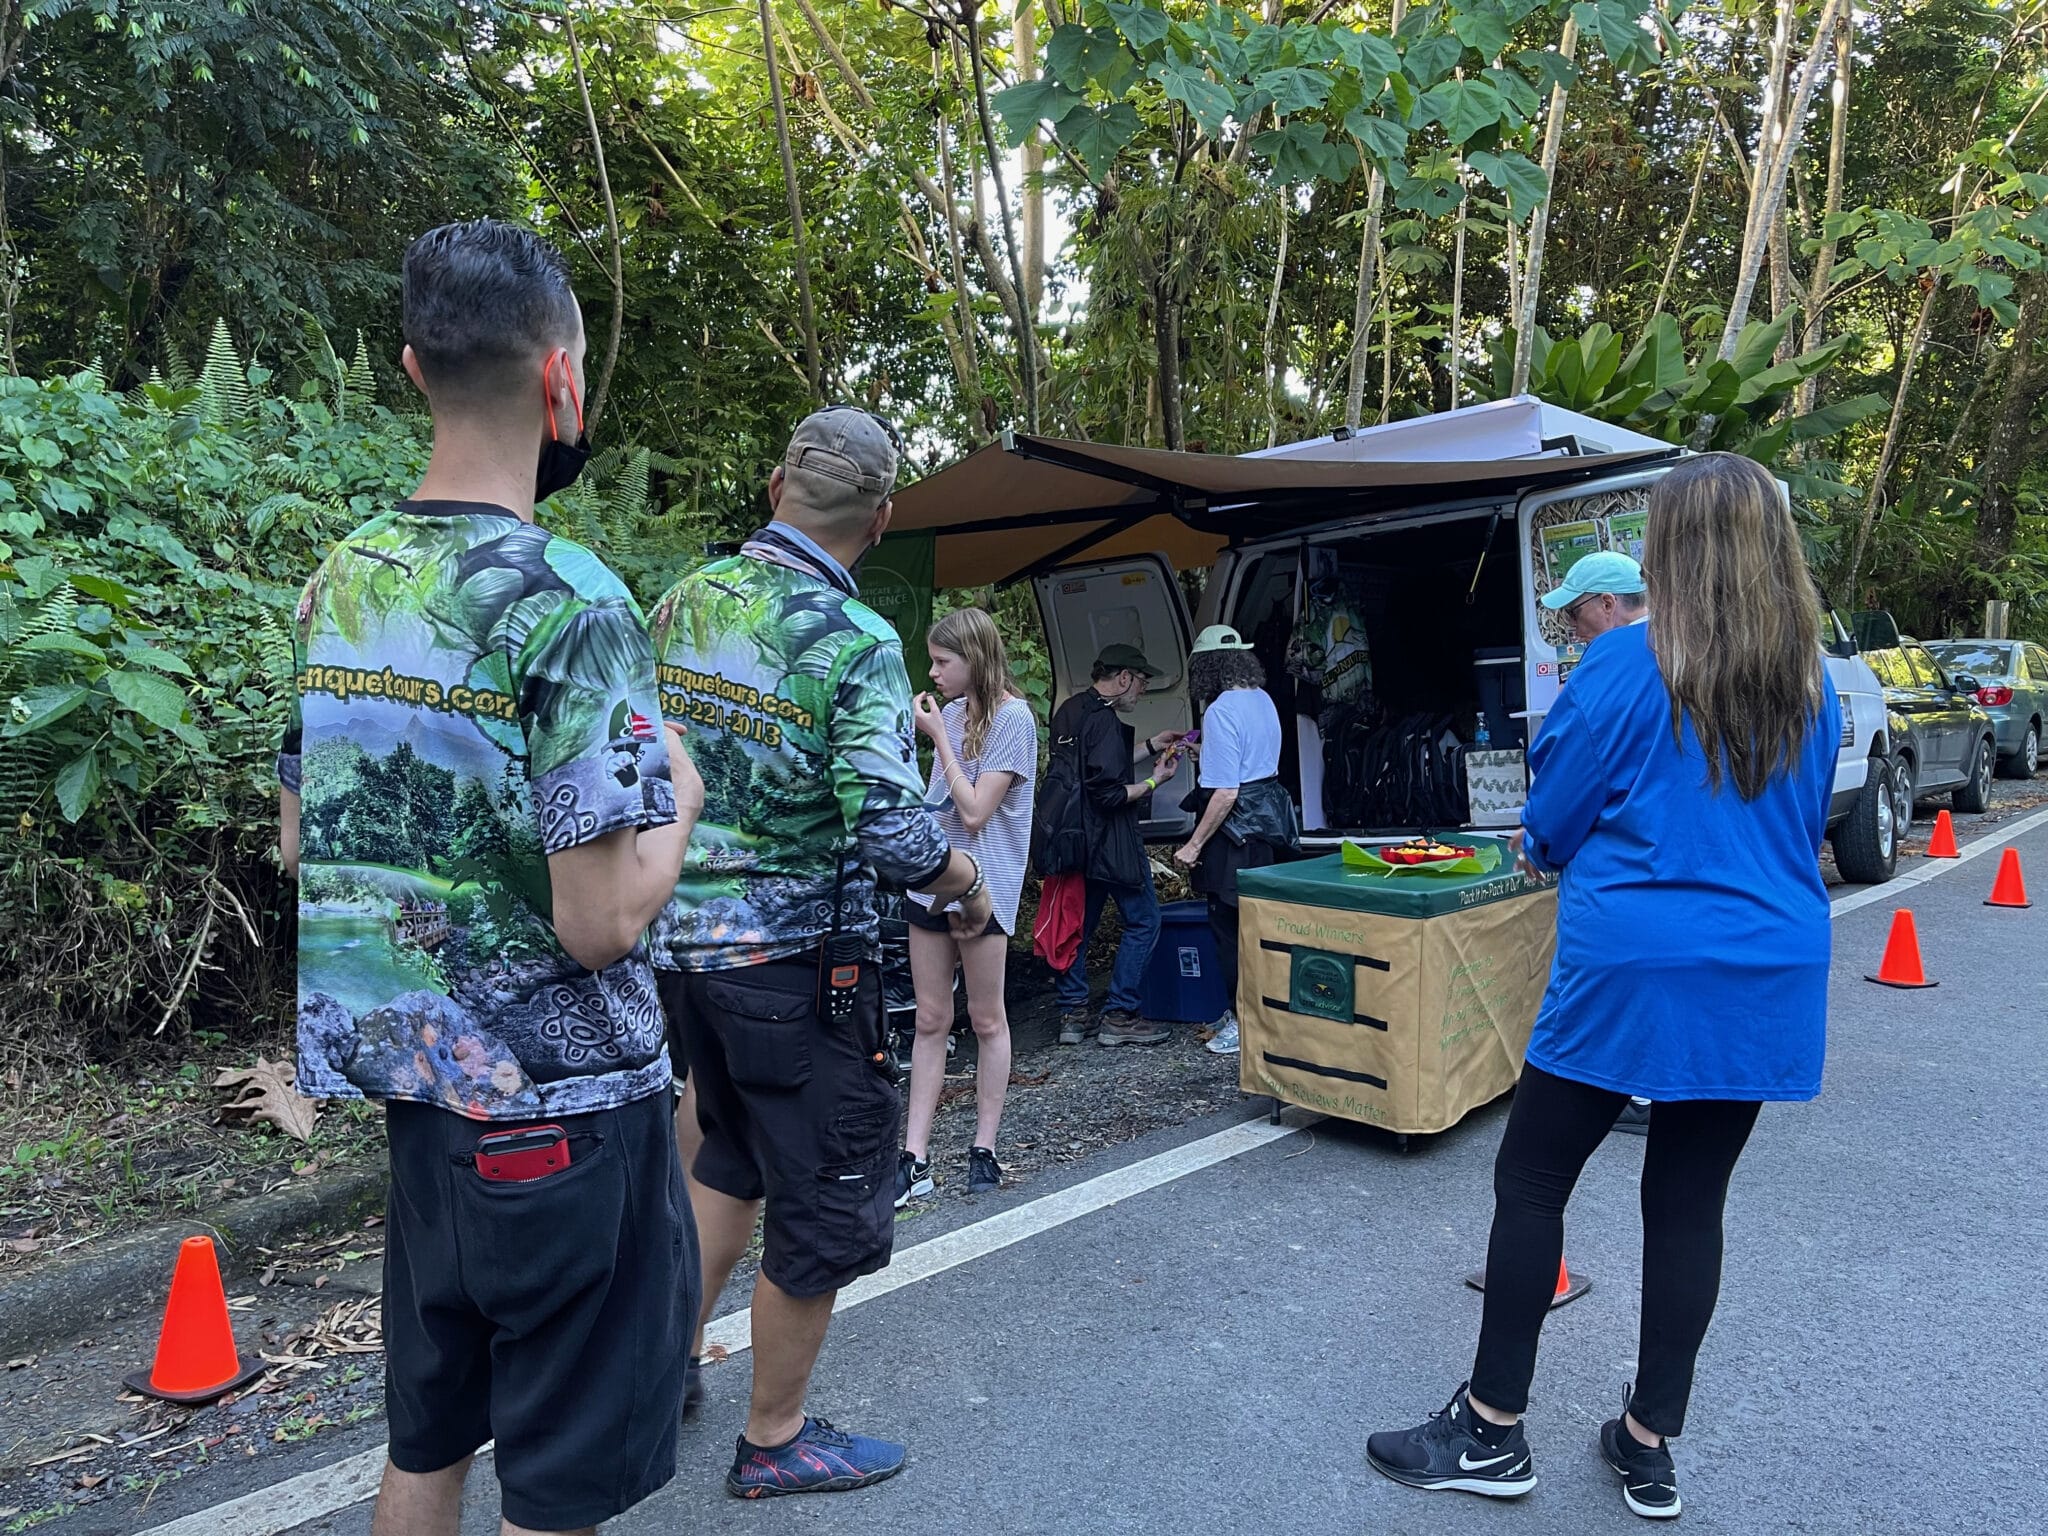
(1602,591)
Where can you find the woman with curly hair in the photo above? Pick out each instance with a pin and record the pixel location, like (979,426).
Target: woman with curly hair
(1246,818)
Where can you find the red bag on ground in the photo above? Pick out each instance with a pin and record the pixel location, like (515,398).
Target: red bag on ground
(1056,932)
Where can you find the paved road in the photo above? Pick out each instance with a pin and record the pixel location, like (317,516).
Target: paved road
(1208,1355)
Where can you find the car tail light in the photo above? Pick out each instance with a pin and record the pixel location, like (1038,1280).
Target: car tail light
(1994,693)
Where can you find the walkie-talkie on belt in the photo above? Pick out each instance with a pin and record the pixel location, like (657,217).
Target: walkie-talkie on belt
(841,960)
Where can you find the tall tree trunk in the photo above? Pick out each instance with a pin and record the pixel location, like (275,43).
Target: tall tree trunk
(1914,346)
(1027,336)
(1166,338)
(1692,207)
(1767,194)
(1824,259)
(1274,363)
(1455,352)
(1539,222)
(813,363)
(1368,254)
(2013,441)
(595,406)
(1024,48)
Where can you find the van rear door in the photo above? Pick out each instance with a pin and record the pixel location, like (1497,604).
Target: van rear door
(1133,601)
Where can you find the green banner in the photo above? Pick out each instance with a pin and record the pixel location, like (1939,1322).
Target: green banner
(896,581)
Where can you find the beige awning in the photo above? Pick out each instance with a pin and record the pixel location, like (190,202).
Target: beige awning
(1033,503)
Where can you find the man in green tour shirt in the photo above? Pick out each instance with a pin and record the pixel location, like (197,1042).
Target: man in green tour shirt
(484,813)
(799,715)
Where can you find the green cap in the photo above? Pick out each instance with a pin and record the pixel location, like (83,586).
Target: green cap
(1126,658)
(1605,570)
(1220,637)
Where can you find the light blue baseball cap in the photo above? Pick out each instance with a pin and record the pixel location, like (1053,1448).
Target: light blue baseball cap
(1604,570)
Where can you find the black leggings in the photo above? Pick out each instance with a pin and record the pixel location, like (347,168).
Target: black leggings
(1552,1129)
(1223,928)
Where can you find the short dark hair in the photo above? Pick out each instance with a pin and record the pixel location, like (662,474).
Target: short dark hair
(1103,671)
(483,300)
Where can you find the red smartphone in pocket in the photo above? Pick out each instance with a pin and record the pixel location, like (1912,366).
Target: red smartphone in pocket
(521,1156)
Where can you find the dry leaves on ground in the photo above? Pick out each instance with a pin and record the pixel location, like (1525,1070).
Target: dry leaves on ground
(268,1094)
(347,1328)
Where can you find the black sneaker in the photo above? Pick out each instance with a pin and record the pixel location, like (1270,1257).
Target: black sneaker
(983,1172)
(693,1389)
(1649,1482)
(1634,1119)
(1443,1452)
(1076,1025)
(913,1178)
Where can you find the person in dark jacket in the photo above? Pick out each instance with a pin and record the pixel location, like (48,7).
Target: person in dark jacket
(1115,800)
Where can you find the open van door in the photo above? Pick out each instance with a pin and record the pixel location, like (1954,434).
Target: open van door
(1133,601)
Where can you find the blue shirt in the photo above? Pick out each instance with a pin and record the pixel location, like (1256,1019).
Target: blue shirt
(1692,925)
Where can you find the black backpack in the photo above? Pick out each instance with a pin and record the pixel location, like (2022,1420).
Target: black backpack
(1059,833)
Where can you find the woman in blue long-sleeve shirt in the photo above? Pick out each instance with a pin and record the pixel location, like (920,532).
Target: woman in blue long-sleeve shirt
(1680,786)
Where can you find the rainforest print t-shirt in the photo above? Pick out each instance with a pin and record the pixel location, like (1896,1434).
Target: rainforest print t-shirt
(798,711)
(473,694)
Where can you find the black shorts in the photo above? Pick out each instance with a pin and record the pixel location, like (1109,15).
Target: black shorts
(796,1111)
(932,920)
(554,1315)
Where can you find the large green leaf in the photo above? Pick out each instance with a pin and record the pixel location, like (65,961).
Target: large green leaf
(1294,89)
(1024,107)
(1484,27)
(1371,55)
(1552,68)
(1097,136)
(1758,342)
(156,699)
(1208,103)
(1141,23)
(1078,56)
(1301,152)
(62,640)
(1657,360)
(1515,174)
(1383,138)
(1465,108)
(46,705)
(1600,351)
(1429,60)
(78,781)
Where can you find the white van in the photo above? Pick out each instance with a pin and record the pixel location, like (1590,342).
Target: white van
(1398,566)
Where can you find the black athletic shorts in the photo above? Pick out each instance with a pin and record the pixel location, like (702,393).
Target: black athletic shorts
(554,1315)
(932,920)
(796,1111)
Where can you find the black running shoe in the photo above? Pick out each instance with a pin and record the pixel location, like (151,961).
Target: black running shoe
(1649,1482)
(1443,1452)
(913,1179)
(1634,1119)
(983,1172)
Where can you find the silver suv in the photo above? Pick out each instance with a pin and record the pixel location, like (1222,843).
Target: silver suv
(1863,820)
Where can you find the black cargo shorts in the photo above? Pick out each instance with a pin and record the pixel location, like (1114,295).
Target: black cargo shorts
(797,1111)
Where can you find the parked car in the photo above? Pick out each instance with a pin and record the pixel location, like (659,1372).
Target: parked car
(2012,679)
(1863,815)
(1942,739)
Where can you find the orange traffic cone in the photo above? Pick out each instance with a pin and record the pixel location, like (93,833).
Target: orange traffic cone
(2009,889)
(1901,965)
(195,1353)
(1941,844)
(1570,1287)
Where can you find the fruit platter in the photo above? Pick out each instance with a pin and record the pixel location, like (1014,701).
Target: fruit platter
(1424,855)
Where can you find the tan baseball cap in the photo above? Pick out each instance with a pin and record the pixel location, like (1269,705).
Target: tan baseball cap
(843,459)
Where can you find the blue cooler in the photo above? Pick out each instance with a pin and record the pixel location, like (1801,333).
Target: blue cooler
(1183,983)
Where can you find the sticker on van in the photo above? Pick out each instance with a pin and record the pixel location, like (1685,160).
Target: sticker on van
(1134,578)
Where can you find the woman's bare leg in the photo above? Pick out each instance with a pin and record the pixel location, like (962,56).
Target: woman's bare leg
(932,958)
(984,961)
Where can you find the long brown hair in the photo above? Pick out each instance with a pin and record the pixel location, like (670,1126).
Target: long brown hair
(1734,617)
(971,634)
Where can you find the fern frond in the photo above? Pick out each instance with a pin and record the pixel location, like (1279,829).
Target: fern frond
(359,384)
(224,384)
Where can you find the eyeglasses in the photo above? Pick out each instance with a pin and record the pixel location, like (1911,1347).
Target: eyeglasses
(1571,610)
(888,427)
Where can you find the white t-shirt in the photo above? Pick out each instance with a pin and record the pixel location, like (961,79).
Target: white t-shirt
(1240,739)
(1003,845)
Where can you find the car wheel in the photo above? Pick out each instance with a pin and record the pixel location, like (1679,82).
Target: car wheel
(2023,763)
(1903,786)
(1974,795)
(1867,843)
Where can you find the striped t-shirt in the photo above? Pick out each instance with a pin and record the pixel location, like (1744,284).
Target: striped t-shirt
(1004,844)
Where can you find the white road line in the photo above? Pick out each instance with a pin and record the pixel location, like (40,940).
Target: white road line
(1934,869)
(315,1495)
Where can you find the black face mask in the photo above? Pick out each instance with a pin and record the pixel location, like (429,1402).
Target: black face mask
(560,464)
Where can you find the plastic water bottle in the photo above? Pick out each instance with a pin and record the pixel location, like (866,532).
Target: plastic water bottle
(1481,738)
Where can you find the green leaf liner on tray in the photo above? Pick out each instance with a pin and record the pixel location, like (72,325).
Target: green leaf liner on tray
(1484,861)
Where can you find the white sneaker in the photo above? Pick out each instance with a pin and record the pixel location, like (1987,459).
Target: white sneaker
(1224,1042)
